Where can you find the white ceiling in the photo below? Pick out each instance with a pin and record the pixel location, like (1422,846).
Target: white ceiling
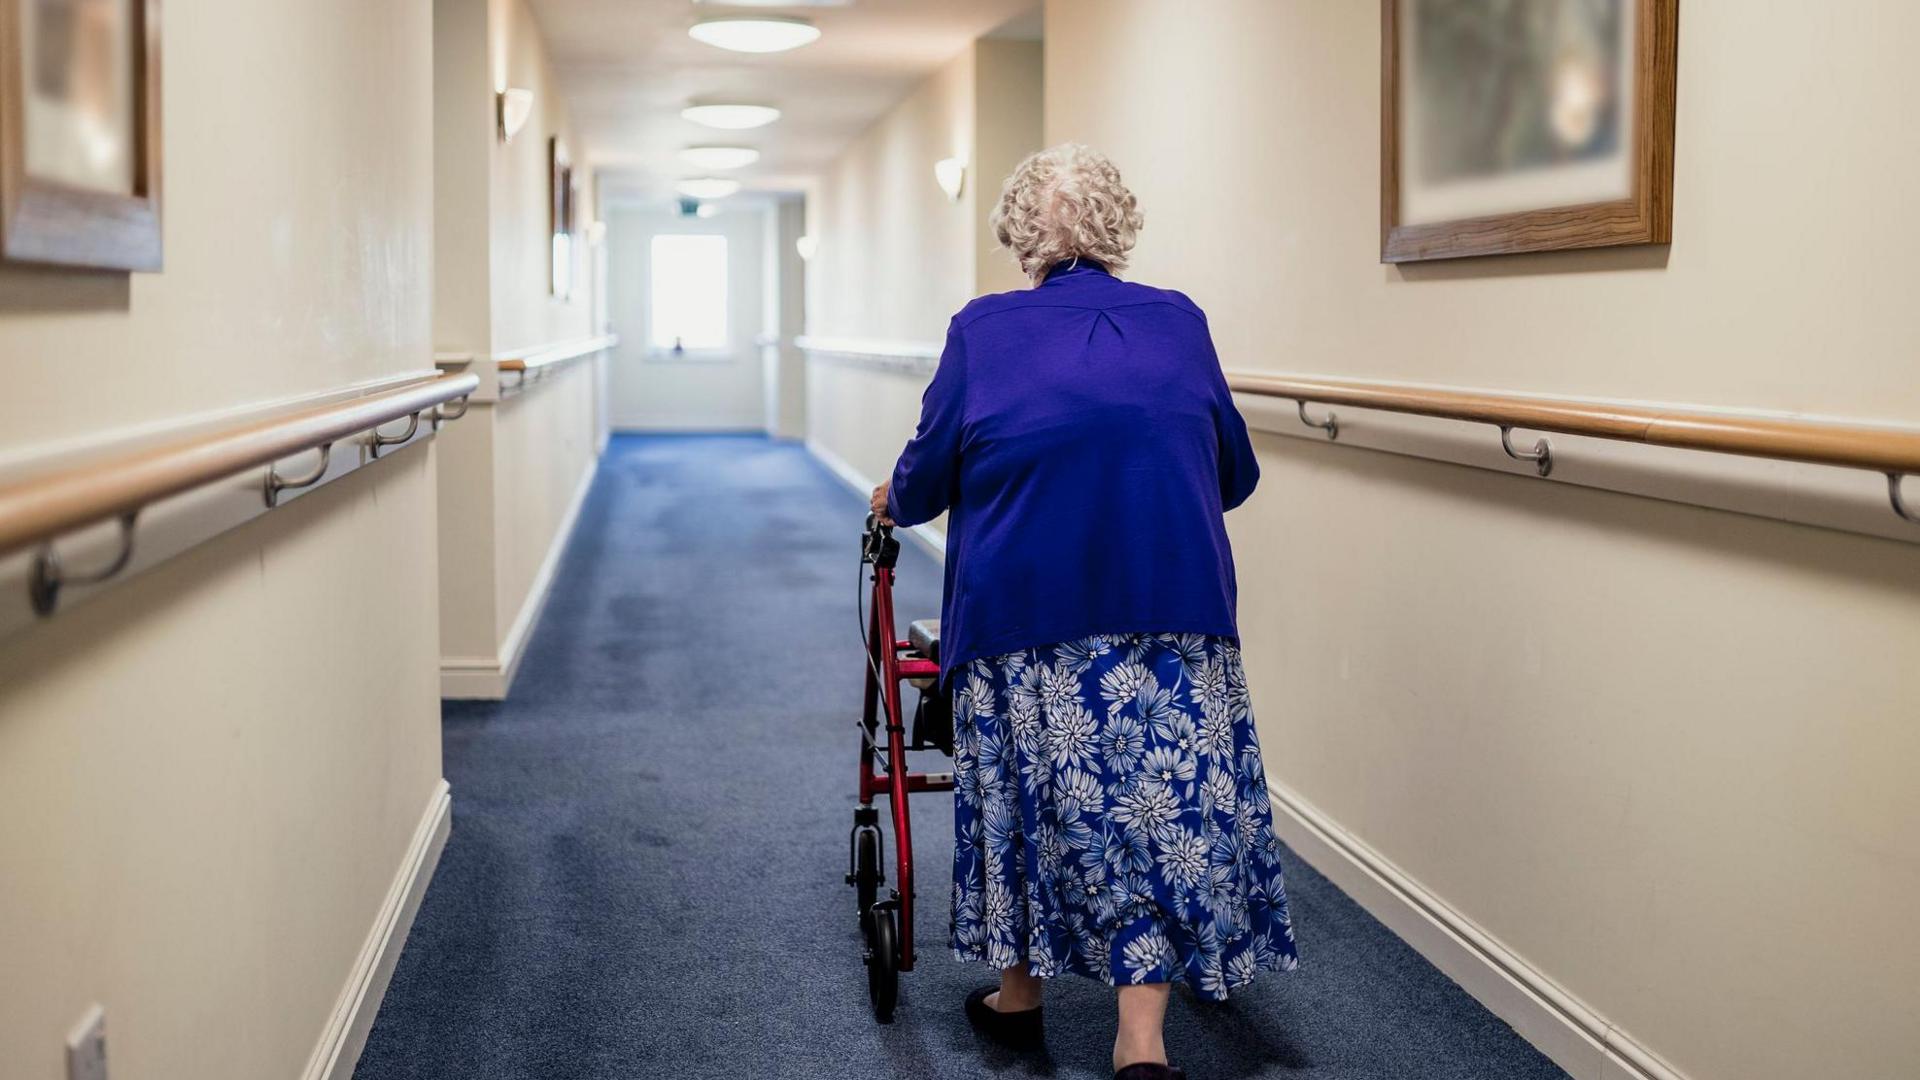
(628,67)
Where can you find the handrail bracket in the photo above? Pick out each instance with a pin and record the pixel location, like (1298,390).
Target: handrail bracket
(276,483)
(48,577)
(1900,508)
(1541,455)
(1331,425)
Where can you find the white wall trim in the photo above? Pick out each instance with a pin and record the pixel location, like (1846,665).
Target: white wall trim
(1578,1039)
(1849,500)
(345,1035)
(928,537)
(176,524)
(79,449)
(691,429)
(911,357)
(488,678)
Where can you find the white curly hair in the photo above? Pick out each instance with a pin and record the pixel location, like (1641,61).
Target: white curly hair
(1066,202)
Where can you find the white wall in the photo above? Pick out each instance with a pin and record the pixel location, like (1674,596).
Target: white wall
(784,306)
(1660,753)
(211,775)
(897,258)
(652,391)
(513,475)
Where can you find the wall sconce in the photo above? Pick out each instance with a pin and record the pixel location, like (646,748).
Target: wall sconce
(951,173)
(514,106)
(806,247)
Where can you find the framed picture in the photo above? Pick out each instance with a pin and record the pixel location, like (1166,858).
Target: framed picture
(1525,125)
(562,217)
(80,133)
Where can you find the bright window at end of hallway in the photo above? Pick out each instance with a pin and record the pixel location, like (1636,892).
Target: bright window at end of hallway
(689,303)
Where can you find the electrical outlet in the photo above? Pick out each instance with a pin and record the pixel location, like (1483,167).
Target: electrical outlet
(87,1047)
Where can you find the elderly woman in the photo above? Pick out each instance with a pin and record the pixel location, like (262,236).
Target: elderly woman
(1112,817)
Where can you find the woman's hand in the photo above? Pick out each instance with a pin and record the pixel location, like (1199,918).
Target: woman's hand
(878,503)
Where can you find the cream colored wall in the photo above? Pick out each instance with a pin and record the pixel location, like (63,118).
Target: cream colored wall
(784,307)
(545,450)
(650,392)
(281,282)
(860,416)
(510,477)
(1657,751)
(525,313)
(1008,95)
(464,122)
(209,775)
(897,258)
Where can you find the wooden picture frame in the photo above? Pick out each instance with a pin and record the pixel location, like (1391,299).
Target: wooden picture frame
(47,221)
(1644,213)
(560,218)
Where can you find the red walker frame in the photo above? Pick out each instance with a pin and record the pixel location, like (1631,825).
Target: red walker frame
(887,924)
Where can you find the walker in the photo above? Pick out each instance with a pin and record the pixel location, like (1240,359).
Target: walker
(887,924)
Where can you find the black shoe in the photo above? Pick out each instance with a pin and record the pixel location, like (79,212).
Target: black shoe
(1148,1071)
(1019,1030)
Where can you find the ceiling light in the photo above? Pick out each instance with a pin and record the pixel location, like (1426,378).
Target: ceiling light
(755,33)
(735,117)
(513,106)
(707,187)
(719,158)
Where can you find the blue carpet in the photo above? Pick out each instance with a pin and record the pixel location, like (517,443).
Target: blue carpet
(644,877)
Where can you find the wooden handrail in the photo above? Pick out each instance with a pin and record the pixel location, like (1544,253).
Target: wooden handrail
(42,507)
(1881,449)
(549,355)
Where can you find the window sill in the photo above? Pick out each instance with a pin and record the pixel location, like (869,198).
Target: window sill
(690,356)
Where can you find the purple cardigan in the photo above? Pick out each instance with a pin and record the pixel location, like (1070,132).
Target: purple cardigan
(1082,436)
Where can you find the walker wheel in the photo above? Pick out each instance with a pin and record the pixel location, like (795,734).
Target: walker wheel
(883,960)
(866,876)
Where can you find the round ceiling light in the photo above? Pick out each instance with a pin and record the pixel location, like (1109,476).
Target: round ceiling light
(734,117)
(719,158)
(707,187)
(755,33)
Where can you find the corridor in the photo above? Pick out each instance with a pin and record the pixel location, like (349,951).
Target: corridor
(645,871)
(1422,500)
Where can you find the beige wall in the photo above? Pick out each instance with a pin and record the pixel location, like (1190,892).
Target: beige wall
(652,391)
(1659,752)
(464,122)
(525,313)
(784,306)
(511,476)
(1007,94)
(545,452)
(897,258)
(209,776)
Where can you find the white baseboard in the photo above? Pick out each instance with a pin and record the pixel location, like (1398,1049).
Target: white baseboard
(690,429)
(1562,1027)
(488,678)
(928,537)
(346,1033)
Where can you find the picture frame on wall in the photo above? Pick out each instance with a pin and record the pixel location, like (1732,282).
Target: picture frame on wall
(80,138)
(1525,125)
(562,197)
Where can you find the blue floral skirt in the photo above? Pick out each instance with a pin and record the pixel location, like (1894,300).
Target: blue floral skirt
(1112,816)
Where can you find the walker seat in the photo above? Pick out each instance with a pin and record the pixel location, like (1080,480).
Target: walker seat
(924,636)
